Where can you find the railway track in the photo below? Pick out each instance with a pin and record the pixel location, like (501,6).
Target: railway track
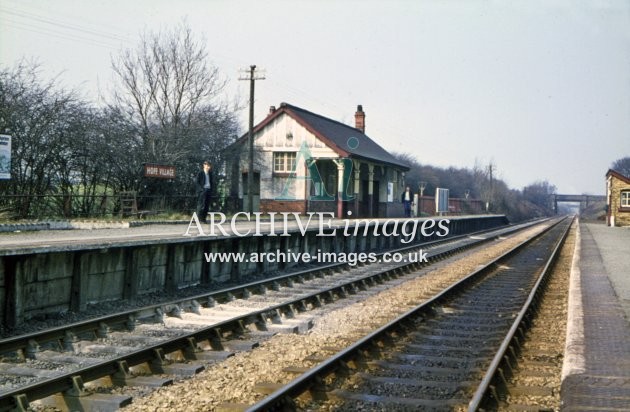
(535,384)
(456,351)
(92,350)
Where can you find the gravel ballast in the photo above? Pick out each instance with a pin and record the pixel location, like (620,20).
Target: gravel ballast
(233,381)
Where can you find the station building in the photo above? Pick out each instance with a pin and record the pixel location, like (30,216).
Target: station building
(617,199)
(305,162)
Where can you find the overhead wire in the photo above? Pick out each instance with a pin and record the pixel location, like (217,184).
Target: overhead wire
(64,25)
(25,20)
(50,32)
(63,29)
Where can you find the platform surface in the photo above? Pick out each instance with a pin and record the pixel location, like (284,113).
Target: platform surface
(102,236)
(597,366)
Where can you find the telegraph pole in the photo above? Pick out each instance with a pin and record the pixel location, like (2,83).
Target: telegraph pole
(251,76)
(491,200)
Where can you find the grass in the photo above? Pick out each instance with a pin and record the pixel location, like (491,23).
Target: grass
(7,219)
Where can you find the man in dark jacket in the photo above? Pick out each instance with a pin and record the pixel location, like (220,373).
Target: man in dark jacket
(204,191)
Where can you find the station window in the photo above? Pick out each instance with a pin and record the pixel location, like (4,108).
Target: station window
(283,162)
(625,198)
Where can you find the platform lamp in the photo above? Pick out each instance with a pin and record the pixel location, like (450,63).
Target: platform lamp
(421,186)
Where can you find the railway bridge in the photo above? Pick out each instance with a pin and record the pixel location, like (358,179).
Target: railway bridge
(583,200)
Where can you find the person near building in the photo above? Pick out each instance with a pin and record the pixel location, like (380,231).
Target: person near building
(204,191)
(407,201)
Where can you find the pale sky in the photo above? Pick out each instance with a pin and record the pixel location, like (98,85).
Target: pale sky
(539,88)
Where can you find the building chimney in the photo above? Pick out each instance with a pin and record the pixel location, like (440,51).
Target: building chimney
(359,119)
(272,109)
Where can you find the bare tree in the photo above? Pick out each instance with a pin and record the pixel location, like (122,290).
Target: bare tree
(164,84)
(41,119)
(484,183)
(622,166)
(168,110)
(539,193)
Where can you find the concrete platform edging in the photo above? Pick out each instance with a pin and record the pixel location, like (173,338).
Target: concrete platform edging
(82,224)
(597,374)
(574,343)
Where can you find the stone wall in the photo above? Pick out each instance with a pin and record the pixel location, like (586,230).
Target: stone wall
(621,215)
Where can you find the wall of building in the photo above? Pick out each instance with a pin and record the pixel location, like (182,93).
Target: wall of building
(284,134)
(64,279)
(616,214)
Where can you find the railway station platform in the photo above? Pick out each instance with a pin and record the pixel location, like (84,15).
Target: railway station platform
(47,272)
(46,237)
(596,369)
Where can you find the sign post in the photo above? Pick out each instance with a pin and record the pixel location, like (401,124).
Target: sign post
(5,156)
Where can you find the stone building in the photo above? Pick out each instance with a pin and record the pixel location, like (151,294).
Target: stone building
(305,162)
(617,199)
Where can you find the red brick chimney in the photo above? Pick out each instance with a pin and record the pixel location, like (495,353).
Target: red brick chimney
(359,119)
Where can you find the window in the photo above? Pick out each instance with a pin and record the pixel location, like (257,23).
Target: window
(284,162)
(625,198)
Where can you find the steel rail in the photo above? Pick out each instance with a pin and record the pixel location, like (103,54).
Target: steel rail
(311,379)
(214,333)
(486,392)
(126,319)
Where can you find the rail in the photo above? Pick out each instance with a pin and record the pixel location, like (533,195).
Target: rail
(312,379)
(213,333)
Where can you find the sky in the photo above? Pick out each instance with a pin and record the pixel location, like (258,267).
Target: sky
(539,88)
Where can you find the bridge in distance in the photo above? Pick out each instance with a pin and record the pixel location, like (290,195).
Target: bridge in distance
(583,200)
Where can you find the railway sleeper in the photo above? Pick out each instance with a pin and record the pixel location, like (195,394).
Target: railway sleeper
(162,362)
(172,365)
(366,400)
(91,402)
(78,398)
(124,377)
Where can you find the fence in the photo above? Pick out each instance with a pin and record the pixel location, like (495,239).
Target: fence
(456,206)
(106,205)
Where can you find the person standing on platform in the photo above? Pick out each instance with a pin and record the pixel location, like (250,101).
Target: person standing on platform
(204,191)
(407,199)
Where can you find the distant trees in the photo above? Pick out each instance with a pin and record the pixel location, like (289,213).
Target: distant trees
(164,109)
(459,181)
(481,182)
(48,126)
(622,165)
(539,194)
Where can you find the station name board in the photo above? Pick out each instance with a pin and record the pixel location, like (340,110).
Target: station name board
(159,171)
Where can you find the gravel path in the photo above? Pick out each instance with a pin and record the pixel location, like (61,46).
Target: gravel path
(233,381)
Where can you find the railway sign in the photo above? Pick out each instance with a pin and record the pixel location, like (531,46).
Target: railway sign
(159,171)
